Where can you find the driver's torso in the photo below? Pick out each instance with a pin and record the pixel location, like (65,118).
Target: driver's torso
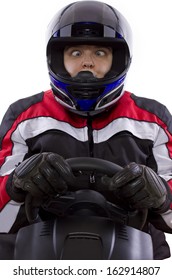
(136,129)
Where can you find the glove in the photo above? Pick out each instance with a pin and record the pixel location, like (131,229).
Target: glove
(140,187)
(42,175)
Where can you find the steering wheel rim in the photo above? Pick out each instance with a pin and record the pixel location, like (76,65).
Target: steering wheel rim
(93,164)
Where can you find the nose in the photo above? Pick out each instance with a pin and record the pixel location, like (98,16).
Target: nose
(88,62)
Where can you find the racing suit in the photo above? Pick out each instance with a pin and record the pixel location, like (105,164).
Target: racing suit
(135,129)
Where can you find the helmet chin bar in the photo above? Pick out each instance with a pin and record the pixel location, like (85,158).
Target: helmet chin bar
(85,94)
(104,104)
(85,86)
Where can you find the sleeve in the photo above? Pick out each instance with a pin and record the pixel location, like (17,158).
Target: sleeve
(12,151)
(162,151)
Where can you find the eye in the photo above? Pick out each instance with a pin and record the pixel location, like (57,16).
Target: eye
(76,53)
(100,53)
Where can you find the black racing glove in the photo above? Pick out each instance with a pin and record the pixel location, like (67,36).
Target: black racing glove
(42,175)
(140,187)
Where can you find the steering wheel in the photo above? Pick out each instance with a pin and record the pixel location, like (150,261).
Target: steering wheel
(92,165)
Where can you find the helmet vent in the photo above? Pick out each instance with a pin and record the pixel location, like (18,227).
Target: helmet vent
(87,30)
(46,229)
(122,233)
(86,246)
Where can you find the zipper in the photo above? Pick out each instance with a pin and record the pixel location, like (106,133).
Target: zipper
(90,137)
(91,146)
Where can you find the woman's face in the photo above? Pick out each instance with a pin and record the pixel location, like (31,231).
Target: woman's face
(96,59)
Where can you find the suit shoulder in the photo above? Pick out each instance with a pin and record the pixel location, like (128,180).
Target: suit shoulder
(151,105)
(23,104)
(154,107)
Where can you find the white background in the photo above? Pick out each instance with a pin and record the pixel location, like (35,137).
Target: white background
(23,69)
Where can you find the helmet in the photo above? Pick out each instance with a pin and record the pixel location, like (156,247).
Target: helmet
(94,23)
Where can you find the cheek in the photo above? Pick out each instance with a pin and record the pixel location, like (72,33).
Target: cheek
(103,68)
(71,66)
(107,68)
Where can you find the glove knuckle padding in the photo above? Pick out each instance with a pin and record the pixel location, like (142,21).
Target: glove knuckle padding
(135,187)
(155,186)
(37,176)
(28,165)
(129,173)
(60,165)
(139,185)
(28,177)
(48,172)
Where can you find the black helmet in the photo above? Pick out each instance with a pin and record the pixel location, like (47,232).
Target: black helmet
(94,23)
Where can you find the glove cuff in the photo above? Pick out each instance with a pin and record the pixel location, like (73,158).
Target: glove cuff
(15,194)
(166,205)
(163,208)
